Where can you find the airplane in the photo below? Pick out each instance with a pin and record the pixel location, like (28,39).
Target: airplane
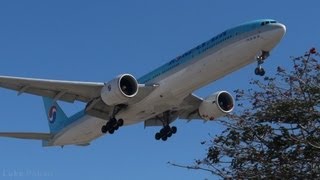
(157,98)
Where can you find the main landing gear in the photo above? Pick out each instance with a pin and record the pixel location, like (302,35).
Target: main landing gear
(260,59)
(113,124)
(167,131)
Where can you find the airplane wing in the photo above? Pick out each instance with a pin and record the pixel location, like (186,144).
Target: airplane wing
(24,135)
(189,107)
(70,91)
(188,110)
(59,90)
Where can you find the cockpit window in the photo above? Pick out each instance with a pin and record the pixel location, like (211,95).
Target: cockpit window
(267,22)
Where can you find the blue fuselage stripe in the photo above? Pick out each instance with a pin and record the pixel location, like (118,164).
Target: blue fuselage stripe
(193,54)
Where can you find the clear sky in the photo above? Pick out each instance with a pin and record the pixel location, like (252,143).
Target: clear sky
(97,40)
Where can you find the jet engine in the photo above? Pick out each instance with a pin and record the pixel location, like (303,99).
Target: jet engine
(119,90)
(216,105)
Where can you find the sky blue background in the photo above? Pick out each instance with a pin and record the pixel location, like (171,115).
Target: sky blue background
(97,40)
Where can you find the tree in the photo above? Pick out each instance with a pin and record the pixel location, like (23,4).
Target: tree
(275,132)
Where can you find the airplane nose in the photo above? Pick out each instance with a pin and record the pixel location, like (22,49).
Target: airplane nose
(273,35)
(280,30)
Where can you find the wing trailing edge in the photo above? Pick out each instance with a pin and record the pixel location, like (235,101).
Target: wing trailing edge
(27,135)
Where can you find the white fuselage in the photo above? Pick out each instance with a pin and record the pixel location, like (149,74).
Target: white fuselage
(209,66)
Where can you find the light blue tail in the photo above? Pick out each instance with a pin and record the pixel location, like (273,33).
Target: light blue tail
(56,117)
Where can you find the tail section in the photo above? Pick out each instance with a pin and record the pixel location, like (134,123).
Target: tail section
(56,116)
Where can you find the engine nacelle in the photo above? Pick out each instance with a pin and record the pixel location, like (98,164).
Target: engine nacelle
(216,105)
(119,90)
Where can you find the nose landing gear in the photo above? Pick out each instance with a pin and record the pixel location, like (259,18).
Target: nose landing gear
(259,71)
(260,59)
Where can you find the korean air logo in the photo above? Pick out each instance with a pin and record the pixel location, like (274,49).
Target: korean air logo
(52,114)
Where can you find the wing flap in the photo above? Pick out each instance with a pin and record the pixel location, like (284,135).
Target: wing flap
(189,107)
(27,135)
(98,108)
(188,110)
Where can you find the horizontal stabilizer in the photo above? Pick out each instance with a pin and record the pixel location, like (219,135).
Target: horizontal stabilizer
(24,135)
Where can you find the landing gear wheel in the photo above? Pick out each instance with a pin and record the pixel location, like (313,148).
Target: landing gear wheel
(166,132)
(113,121)
(111,131)
(260,71)
(112,125)
(257,71)
(120,122)
(167,129)
(163,131)
(173,129)
(260,60)
(158,136)
(164,138)
(104,129)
